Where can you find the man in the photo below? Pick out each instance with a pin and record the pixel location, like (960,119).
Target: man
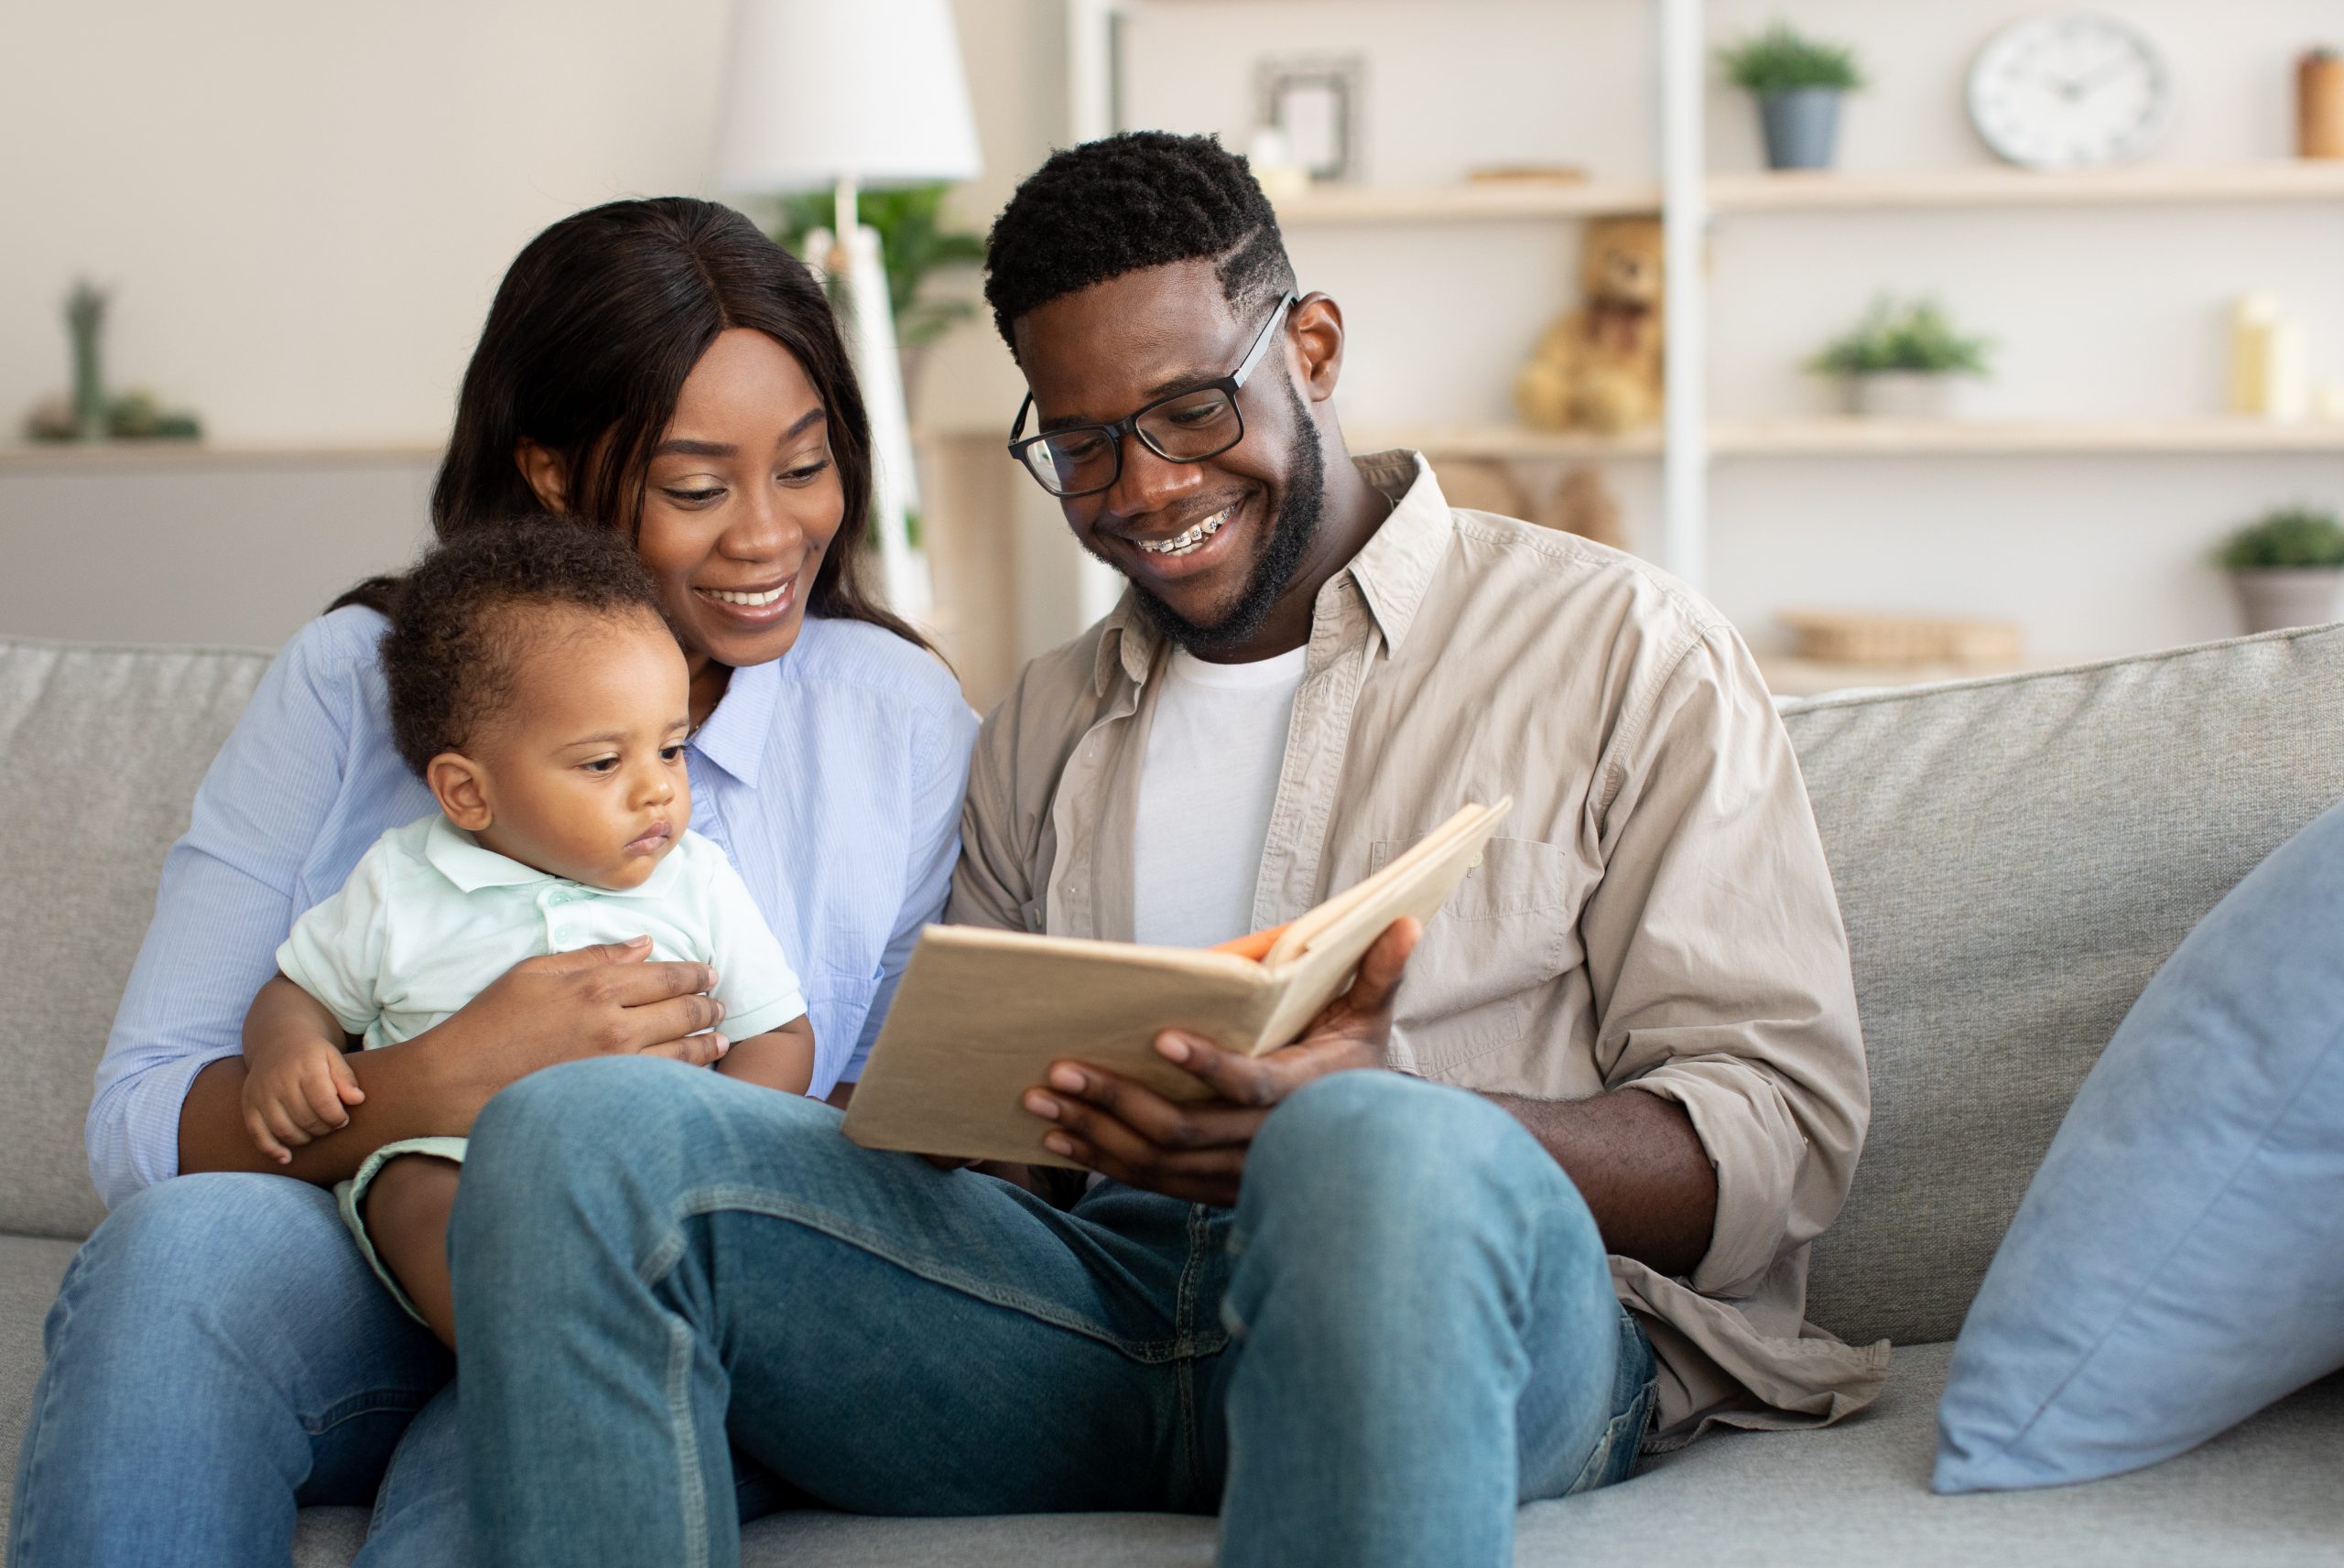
(1363,1314)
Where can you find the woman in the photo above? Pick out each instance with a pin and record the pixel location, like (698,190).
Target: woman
(219,1355)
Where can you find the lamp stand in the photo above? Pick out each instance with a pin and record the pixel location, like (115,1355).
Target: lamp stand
(853,256)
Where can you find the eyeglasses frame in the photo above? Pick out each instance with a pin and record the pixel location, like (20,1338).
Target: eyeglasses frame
(1117,430)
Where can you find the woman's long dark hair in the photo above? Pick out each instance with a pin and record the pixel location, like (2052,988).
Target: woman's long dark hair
(592,334)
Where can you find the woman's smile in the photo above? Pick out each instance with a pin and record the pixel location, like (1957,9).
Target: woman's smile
(752,609)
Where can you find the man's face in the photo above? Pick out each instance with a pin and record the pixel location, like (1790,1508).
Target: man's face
(1209,545)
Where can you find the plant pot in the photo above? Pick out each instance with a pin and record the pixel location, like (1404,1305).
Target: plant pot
(1802,126)
(1905,395)
(2271,599)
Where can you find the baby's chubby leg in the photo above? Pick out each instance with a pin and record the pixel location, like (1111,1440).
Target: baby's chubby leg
(407,1216)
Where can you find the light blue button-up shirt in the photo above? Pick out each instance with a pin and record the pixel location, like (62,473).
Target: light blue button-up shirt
(831,778)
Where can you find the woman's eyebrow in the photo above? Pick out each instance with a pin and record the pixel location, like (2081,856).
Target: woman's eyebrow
(679,447)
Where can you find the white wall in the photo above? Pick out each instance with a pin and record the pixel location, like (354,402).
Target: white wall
(304,210)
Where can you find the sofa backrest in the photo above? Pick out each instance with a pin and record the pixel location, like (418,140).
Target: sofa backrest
(101,750)
(2015,859)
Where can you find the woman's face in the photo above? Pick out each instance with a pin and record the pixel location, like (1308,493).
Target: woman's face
(742,499)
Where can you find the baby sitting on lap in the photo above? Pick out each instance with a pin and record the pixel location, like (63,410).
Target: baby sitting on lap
(537,692)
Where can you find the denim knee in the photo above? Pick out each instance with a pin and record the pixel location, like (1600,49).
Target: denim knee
(1421,1165)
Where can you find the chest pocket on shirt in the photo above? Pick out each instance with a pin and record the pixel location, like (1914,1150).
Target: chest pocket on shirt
(1503,934)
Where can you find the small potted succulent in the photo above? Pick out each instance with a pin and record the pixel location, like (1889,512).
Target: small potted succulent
(2286,568)
(1902,360)
(1798,82)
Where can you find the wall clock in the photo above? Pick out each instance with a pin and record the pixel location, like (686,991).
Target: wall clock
(2074,90)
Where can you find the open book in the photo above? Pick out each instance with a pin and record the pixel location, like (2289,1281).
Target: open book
(981,1015)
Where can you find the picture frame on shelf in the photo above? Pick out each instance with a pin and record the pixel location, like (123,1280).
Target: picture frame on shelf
(1316,102)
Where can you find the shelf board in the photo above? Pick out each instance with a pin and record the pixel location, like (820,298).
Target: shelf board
(1823,191)
(2019,437)
(1886,437)
(2151,184)
(64,456)
(1505,441)
(1473,201)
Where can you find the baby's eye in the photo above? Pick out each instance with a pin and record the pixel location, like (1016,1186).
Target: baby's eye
(600,764)
(671,753)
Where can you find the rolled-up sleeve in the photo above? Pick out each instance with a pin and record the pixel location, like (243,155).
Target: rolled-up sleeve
(224,903)
(1718,962)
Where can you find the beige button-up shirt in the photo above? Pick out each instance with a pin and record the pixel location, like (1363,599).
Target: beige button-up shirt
(1658,915)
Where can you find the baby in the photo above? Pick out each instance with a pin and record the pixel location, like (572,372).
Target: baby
(537,692)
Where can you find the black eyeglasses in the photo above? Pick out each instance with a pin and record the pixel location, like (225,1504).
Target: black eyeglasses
(1186,427)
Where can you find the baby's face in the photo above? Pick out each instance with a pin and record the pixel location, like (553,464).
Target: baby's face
(583,770)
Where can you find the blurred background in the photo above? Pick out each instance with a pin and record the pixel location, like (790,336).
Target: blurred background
(1926,339)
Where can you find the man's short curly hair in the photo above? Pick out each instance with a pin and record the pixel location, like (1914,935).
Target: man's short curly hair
(458,630)
(1139,199)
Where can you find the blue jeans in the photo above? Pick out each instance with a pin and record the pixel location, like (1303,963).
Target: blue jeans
(1405,1329)
(219,1355)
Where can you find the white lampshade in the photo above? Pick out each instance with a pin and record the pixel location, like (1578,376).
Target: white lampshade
(819,91)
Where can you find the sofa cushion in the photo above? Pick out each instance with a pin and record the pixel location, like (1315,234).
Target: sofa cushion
(2015,857)
(104,747)
(2178,1261)
(1857,1494)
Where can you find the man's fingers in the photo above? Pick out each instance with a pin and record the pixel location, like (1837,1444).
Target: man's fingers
(1239,1080)
(633,950)
(1168,1124)
(1380,969)
(693,1050)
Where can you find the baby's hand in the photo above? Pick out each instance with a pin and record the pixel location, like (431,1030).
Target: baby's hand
(298,1094)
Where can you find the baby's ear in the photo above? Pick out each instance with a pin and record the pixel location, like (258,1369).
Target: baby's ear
(461,786)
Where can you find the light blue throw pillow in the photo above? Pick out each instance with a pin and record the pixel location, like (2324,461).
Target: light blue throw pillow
(2178,1262)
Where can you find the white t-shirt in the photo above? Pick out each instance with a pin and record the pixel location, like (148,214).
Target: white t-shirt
(1206,788)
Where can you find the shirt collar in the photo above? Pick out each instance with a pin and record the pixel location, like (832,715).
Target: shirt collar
(471,866)
(1396,566)
(1393,569)
(463,860)
(735,736)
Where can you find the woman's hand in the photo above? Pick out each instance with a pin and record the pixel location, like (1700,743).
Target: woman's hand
(597,1002)
(603,1000)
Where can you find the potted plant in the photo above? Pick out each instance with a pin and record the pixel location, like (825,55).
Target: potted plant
(1798,82)
(913,244)
(1902,360)
(2286,567)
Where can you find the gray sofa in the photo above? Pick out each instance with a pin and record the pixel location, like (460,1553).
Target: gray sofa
(2015,857)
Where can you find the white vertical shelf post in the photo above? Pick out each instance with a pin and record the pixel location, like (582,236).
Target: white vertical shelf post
(1091,115)
(1685,460)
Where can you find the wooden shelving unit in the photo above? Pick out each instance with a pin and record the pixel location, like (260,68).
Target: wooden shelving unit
(2147,185)
(1822,191)
(1813,438)
(1473,202)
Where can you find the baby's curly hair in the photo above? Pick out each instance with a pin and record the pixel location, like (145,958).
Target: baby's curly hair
(1139,199)
(455,641)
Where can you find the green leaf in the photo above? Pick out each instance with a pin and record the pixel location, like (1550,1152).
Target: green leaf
(1780,59)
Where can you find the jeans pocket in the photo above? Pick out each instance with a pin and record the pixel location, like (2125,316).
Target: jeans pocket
(1615,1453)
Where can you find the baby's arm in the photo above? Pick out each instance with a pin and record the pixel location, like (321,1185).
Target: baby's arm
(297,1083)
(780,1058)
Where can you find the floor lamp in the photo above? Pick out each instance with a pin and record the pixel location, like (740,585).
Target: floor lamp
(848,94)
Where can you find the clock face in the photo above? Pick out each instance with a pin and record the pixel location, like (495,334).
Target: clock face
(2070,91)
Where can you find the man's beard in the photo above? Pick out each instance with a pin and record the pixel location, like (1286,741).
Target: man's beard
(1291,532)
